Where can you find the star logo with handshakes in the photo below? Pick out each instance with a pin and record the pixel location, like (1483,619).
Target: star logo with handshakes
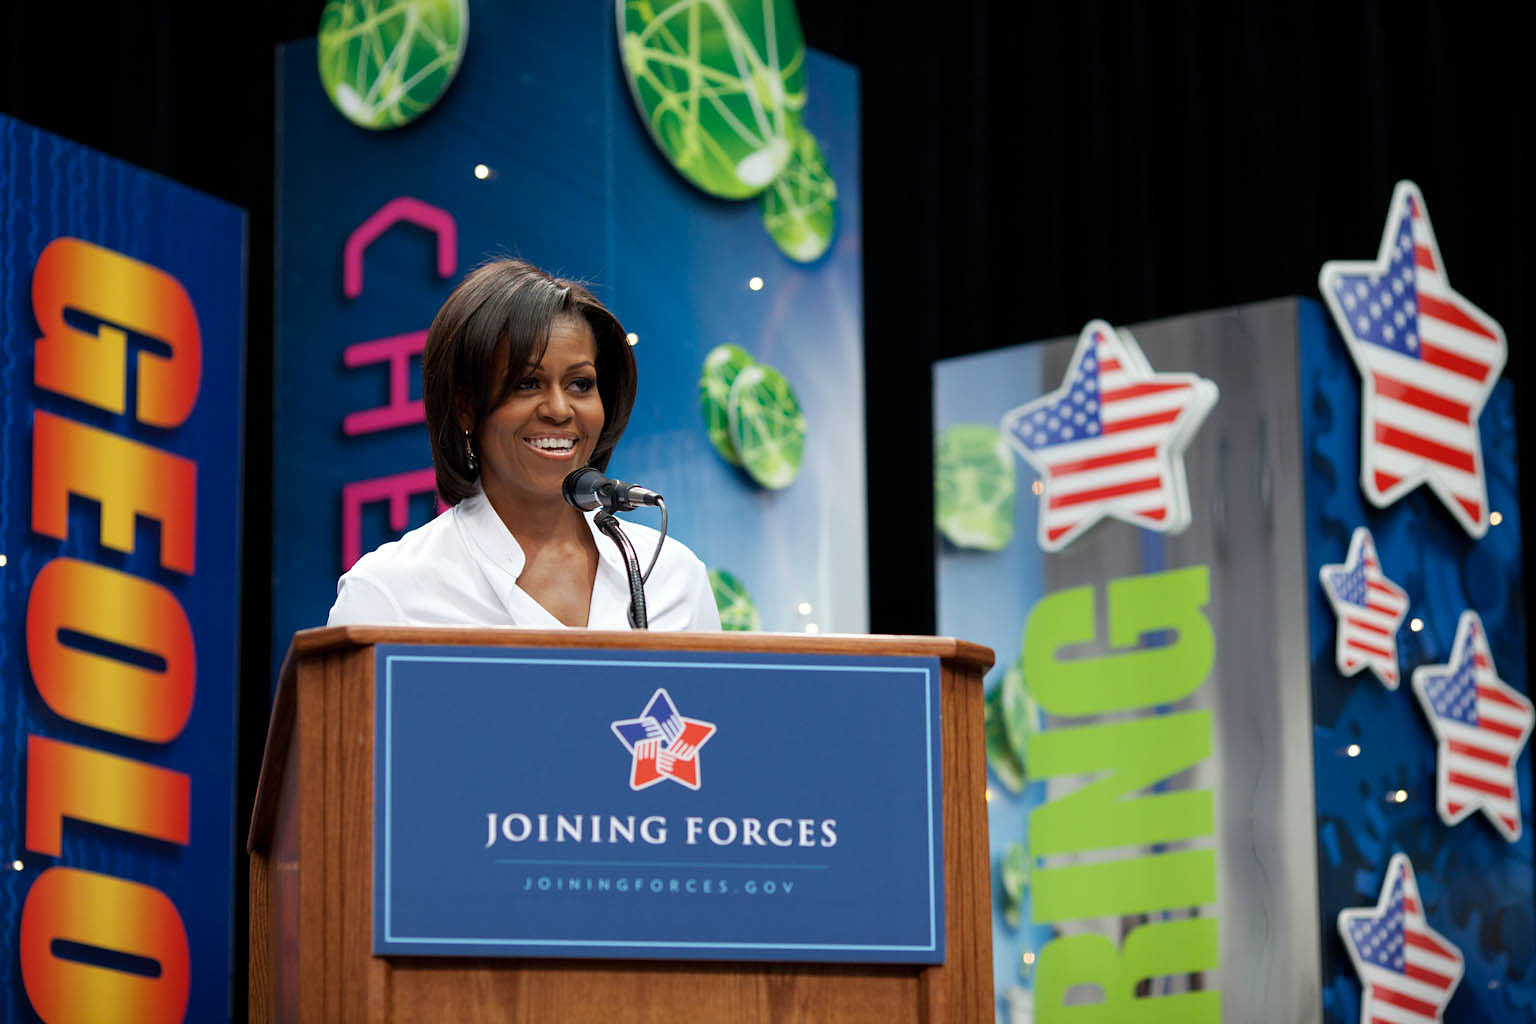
(663,744)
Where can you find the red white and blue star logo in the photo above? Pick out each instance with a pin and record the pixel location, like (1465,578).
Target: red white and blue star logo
(1428,360)
(1408,971)
(1110,441)
(663,744)
(1482,724)
(1370,609)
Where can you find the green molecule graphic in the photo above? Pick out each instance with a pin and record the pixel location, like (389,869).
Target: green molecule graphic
(1011,715)
(737,612)
(974,488)
(718,84)
(767,426)
(721,366)
(1013,871)
(385,62)
(800,207)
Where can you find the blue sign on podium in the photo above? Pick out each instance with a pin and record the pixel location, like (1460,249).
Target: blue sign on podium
(657,805)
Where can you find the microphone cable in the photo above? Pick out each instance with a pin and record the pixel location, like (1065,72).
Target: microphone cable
(661,504)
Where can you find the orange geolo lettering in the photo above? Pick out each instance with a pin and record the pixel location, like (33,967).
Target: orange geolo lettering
(140,677)
(69,781)
(124,295)
(73,906)
(128,479)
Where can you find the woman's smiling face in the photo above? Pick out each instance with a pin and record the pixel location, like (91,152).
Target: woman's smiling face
(549,424)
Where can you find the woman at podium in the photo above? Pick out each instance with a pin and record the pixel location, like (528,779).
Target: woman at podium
(525,378)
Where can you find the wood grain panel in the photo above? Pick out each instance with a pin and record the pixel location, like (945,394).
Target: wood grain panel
(642,993)
(262,977)
(314,869)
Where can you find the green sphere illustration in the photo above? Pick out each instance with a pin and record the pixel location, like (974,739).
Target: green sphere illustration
(767,426)
(721,366)
(1004,761)
(800,207)
(718,84)
(974,487)
(1011,715)
(386,62)
(1013,872)
(1021,715)
(737,612)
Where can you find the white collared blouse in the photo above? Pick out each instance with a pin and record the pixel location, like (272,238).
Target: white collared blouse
(461,569)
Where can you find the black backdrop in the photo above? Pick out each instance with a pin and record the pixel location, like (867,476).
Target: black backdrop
(1027,166)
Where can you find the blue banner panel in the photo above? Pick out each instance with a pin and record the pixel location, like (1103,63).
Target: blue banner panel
(536,150)
(686,805)
(1376,752)
(122,306)
(1367,702)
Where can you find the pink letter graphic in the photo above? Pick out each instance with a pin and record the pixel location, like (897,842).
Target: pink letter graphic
(402,208)
(397,490)
(401,410)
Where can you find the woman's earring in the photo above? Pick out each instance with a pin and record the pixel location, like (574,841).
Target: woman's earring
(469,453)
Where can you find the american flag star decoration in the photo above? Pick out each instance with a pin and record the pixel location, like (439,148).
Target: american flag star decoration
(1110,441)
(1408,971)
(1370,609)
(662,744)
(1428,360)
(1482,724)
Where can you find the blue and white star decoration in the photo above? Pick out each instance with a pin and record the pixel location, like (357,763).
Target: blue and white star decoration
(1370,609)
(1428,360)
(1408,971)
(1110,441)
(1482,725)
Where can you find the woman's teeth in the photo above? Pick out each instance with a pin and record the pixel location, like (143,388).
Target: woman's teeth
(552,444)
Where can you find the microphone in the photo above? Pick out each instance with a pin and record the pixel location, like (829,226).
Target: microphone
(587,489)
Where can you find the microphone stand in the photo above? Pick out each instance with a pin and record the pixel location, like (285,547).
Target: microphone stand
(606,522)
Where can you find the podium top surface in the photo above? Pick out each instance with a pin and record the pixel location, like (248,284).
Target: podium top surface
(312,642)
(332,638)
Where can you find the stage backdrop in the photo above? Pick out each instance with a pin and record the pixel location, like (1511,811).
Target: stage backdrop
(122,307)
(538,149)
(1188,783)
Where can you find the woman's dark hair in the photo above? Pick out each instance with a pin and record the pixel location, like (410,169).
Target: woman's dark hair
(506,308)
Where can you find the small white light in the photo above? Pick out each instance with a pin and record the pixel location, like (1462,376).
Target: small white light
(804,607)
(632,338)
(1400,796)
(1353,750)
(1495,518)
(482,172)
(811,627)
(1037,487)
(989,794)
(3,560)
(755,283)
(1416,624)
(1028,958)
(17,865)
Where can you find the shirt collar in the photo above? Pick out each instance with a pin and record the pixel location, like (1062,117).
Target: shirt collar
(501,558)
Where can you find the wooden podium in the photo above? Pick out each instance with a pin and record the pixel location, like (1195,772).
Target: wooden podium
(311,850)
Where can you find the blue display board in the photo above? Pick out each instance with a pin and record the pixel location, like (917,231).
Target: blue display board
(1356,808)
(376,228)
(1375,751)
(687,805)
(122,307)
